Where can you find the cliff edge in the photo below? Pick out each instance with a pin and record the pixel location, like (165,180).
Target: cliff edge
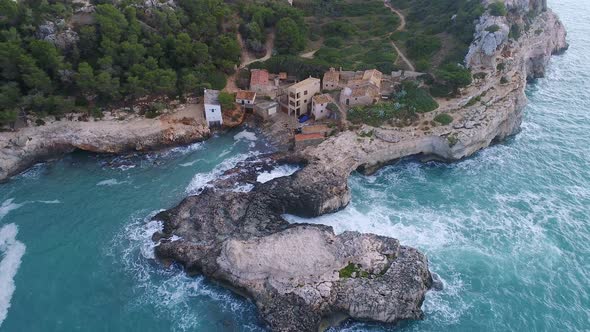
(304,277)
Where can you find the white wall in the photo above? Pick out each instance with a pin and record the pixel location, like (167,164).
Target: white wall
(213,114)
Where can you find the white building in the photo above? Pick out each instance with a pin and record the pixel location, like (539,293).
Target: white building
(212,108)
(246,98)
(319,106)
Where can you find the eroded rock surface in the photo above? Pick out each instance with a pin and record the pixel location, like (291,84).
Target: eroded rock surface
(300,276)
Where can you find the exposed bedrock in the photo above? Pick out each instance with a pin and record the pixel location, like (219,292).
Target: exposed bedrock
(300,276)
(304,277)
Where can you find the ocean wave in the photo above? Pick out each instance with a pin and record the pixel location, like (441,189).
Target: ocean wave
(182,299)
(7,206)
(277,172)
(202,180)
(12,252)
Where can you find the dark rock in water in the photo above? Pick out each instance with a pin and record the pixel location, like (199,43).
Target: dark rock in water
(300,276)
(437,283)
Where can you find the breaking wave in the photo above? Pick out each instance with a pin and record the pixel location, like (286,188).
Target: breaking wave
(11,251)
(176,296)
(277,172)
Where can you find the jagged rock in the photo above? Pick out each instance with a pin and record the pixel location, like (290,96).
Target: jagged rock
(300,276)
(57,33)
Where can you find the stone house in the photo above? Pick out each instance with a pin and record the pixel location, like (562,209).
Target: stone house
(331,80)
(212,108)
(374,76)
(359,93)
(261,84)
(319,106)
(299,95)
(266,109)
(246,98)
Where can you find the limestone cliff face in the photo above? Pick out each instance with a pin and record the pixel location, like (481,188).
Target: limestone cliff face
(19,150)
(487,111)
(301,276)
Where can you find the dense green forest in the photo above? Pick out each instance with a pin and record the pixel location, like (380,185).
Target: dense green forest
(121,52)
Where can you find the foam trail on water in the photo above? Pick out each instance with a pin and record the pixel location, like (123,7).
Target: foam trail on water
(12,252)
(110,182)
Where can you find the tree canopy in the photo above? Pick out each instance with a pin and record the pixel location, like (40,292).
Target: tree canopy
(123,51)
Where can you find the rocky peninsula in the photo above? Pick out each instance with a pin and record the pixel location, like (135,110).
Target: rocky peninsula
(304,277)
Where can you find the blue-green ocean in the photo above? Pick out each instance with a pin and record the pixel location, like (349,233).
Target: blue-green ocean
(507,230)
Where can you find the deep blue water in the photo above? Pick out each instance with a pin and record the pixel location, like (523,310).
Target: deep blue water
(507,230)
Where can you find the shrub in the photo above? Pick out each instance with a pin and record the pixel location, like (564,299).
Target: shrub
(493,28)
(498,9)
(514,31)
(443,119)
(334,42)
(504,80)
(227,100)
(416,98)
(455,76)
(423,46)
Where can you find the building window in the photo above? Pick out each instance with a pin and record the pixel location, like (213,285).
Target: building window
(305,93)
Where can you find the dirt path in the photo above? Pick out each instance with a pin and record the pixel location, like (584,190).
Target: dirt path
(308,55)
(401,27)
(246,58)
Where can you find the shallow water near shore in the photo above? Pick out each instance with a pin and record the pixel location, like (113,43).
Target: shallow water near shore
(507,230)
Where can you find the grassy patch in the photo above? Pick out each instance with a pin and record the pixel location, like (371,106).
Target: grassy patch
(353,269)
(416,98)
(443,119)
(355,33)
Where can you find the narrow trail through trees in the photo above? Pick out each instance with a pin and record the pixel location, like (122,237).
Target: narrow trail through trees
(401,27)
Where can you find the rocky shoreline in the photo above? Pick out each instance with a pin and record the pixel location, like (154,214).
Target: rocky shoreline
(304,277)
(27,146)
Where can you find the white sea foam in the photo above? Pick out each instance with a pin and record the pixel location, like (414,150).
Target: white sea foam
(277,172)
(191,163)
(176,296)
(201,180)
(243,188)
(110,182)
(189,148)
(126,167)
(55,201)
(7,206)
(12,252)
(245,135)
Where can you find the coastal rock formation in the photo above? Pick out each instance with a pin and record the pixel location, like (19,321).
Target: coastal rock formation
(301,277)
(304,277)
(20,149)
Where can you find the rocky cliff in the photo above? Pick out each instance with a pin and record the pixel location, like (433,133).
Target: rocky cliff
(304,277)
(21,149)
(301,277)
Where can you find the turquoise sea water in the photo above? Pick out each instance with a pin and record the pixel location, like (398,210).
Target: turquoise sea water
(507,230)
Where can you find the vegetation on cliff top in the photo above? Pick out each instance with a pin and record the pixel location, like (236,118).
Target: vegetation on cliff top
(122,52)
